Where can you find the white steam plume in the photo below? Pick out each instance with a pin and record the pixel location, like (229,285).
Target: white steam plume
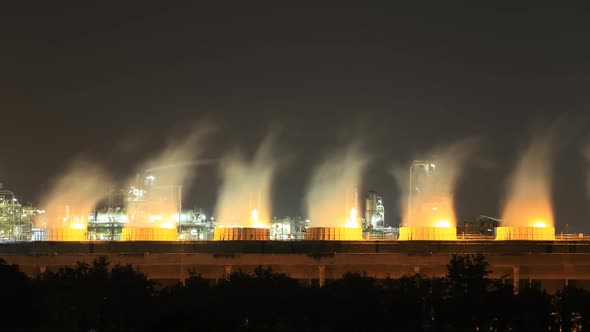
(73,195)
(528,202)
(246,187)
(434,203)
(331,190)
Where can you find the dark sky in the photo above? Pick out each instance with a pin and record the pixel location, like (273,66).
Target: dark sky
(87,76)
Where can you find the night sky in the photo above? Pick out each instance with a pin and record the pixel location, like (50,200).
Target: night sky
(111,81)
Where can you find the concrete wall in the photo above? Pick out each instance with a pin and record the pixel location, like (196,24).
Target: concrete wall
(554,264)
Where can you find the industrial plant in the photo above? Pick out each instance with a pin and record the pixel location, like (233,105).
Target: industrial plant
(149,211)
(145,223)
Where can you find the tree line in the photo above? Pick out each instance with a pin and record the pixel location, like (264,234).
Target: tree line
(102,297)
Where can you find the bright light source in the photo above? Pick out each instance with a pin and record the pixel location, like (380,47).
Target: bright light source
(254,215)
(352,219)
(78,226)
(167,225)
(259,225)
(540,224)
(443,224)
(352,214)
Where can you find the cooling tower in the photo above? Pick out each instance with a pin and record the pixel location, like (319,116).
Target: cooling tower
(427,234)
(525,233)
(149,234)
(334,233)
(241,234)
(66,234)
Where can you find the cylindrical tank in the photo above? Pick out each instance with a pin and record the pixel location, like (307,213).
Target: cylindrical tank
(149,234)
(427,233)
(525,233)
(370,206)
(334,233)
(241,234)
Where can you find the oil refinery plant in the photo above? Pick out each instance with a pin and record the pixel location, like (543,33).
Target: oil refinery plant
(149,211)
(146,225)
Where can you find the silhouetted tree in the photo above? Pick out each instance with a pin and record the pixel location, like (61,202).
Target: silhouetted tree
(93,297)
(468,275)
(572,304)
(97,297)
(468,285)
(17,295)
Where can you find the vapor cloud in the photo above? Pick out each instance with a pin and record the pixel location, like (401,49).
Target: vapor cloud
(171,166)
(331,191)
(433,194)
(529,196)
(246,187)
(73,195)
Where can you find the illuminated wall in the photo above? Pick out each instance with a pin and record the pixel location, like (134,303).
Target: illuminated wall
(66,234)
(427,233)
(334,234)
(525,233)
(241,234)
(149,234)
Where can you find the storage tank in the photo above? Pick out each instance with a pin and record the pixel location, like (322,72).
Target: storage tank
(334,233)
(241,233)
(427,233)
(525,233)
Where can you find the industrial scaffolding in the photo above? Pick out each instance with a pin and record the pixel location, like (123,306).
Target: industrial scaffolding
(16,220)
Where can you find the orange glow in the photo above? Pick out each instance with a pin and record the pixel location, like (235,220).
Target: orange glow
(254,215)
(66,234)
(334,233)
(431,211)
(540,224)
(78,226)
(443,224)
(352,221)
(427,233)
(168,225)
(149,234)
(523,233)
(528,213)
(241,233)
(529,200)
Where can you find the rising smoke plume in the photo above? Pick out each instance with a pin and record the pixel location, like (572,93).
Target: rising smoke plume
(73,196)
(332,190)
(245,195)
(433,196)
(528,202)
(171,166)
(169,171)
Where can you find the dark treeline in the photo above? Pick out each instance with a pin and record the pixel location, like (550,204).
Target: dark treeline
(98,297)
